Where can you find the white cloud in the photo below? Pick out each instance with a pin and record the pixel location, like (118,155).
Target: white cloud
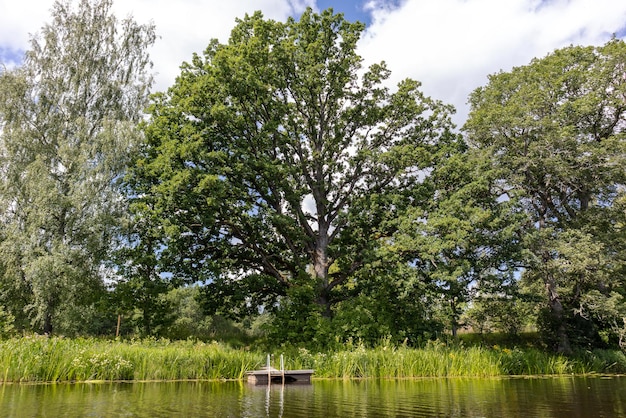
(17,20)
(452,45)
(184,26)
(187,26)
(449,45)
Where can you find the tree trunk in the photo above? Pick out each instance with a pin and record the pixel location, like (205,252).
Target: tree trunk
(320,267)
(48,314)
(454,319)
(47,323)
(556,309)
(325,304)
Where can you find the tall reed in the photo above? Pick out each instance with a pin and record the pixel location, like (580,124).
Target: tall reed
(385,361)
(437,359)
(55,359)
(37,358)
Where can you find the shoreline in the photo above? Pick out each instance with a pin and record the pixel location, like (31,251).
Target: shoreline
(320,379)
(36,359)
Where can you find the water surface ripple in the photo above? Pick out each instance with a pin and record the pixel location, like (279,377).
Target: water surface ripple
(505,397)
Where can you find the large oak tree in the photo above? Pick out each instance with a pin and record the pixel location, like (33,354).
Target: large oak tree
(555,129)
(276,162)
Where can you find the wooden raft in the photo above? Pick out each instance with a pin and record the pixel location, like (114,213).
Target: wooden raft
(263,377)
(269,375)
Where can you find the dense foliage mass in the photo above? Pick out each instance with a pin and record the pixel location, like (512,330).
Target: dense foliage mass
(280,190)
(68,122)
(277,172)
(555,132)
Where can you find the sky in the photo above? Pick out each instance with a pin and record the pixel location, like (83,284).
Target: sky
(451,46)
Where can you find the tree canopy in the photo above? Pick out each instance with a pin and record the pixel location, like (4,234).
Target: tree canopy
(556,131)
(276,162)
(68,119)
(304,196)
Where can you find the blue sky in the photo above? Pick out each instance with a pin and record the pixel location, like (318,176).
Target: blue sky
(352,10)
(449,45)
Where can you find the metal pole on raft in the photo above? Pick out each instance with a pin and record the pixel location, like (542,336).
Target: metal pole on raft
(269,371)
(282,369)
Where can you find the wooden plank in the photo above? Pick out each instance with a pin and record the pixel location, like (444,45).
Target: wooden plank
(280,376)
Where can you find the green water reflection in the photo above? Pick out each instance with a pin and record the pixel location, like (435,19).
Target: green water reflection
(510,397)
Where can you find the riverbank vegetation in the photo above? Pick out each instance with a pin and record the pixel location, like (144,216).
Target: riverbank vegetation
(55,359)
(52,359)
(281,193)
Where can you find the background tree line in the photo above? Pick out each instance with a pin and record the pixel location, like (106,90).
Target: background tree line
(280,186)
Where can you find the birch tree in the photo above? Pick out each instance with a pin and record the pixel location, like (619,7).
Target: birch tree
(68,119)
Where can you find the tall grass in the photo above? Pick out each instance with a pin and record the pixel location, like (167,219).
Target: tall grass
(55,359)
(385,361)
(442,360)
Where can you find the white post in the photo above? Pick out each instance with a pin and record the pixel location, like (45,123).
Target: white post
(269,371)
(282,368)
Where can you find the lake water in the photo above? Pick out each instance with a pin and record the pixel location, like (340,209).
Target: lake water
(506,397)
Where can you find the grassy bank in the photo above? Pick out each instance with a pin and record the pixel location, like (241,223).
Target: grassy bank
(42,359)
(61,359)
(441,360)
